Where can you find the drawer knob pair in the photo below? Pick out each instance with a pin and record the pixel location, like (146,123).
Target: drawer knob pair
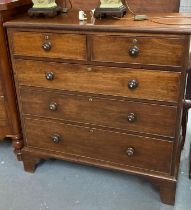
(56,138)
(53,106)
(47,46)
(133,84)
(130,152)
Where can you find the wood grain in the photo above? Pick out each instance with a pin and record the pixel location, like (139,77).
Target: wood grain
(99,144)
(65,46)
(99,111)
(153,51)
(3,116)
(100,80)
(70,23)
(154,6)
(93,95)
(9,118)
(1,89)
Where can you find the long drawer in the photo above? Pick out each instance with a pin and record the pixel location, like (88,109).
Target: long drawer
(132,83)
(123,149)
(51,45)
(139,50)
(119,114)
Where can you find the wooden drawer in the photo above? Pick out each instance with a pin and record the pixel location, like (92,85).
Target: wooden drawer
(151,85)
(151,50)
(99,144)
(130,116)
(63,46)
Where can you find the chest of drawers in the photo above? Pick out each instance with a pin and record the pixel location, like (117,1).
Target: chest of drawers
(107,94)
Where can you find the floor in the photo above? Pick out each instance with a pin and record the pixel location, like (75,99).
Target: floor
(58,185)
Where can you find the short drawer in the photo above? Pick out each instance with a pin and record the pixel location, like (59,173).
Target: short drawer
(132,83)
(119,114)
(123,149)
(51,45)
(146,50)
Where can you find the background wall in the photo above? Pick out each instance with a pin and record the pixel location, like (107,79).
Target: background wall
(185,6)
(135,5)
(138,5)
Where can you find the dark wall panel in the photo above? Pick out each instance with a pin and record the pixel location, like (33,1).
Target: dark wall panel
(136,5)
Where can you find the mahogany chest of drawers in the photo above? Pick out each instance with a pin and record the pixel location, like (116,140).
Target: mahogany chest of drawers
(107,94)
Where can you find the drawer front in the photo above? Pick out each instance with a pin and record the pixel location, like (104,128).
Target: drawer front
(132,83)
(139,50)
(63,46)
(130,116)
(123,149)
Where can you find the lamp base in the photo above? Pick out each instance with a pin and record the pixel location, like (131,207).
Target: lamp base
(104,12)
(47,12)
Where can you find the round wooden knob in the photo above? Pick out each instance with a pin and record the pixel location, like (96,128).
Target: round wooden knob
(53,106)
(47,46)
(131,117)
(130,151)
(56,138)
(134,51)
(133,84)
(49,76)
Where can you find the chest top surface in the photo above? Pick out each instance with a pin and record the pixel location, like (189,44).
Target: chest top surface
(174,23)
